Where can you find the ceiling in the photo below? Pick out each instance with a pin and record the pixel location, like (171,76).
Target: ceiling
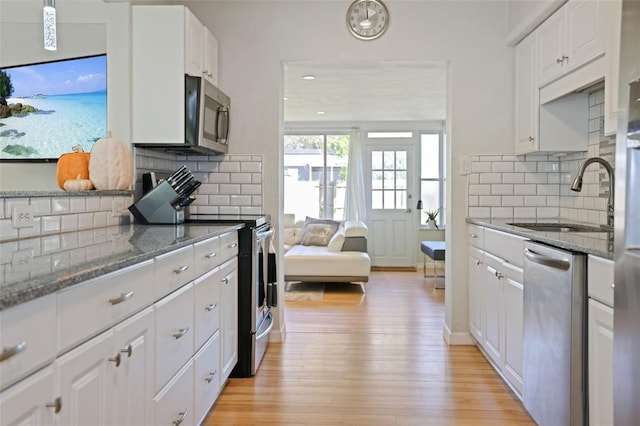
(364,91)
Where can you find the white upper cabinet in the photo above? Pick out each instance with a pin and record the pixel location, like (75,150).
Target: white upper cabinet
(571,37)
(527,95)
(614,19)
(210,69)
(194,44)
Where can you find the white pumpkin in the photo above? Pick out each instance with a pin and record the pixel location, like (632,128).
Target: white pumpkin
(77,184)
(110,164)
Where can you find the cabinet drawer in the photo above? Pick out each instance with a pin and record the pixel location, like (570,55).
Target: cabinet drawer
(207,377)
(97,304)
(475,234)
(228,245)
(174,403)
(600,279)
(173,270)
(174,333)
(506,246)
(207,256)
(27,338)
(207,306)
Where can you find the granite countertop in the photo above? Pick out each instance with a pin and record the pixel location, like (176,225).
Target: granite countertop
(34,267)
(596,243)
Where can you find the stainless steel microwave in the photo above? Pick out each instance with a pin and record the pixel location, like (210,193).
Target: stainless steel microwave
(206,117)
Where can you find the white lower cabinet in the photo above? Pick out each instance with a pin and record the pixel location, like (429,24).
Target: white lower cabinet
(229,279)
(496,299)
(600,340)
(30,402)
(206,377)
(174,403)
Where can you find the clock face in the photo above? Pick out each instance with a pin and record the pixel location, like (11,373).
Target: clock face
(367,19)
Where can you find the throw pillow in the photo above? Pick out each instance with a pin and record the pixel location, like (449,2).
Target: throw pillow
(318,232)
(337,241)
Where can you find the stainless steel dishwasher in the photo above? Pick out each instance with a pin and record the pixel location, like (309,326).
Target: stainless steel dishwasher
(554,337)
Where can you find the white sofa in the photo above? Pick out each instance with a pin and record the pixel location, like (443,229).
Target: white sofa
(343,259)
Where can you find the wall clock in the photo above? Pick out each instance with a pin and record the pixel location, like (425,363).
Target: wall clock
(367,19)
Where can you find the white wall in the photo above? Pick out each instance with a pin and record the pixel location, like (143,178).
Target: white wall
(255,37)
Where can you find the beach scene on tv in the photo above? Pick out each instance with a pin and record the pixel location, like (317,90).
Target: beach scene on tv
(48,108)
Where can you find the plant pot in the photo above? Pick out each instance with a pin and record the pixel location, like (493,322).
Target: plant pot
(431,224)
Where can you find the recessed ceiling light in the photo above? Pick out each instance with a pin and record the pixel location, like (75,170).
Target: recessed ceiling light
(309,77)
(285,98)
(320,112)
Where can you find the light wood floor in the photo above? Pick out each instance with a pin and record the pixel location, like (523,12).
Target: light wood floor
(377,359)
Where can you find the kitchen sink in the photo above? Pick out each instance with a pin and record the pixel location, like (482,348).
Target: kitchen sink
(560,227)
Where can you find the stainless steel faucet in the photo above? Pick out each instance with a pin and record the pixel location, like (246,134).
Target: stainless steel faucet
(577,183)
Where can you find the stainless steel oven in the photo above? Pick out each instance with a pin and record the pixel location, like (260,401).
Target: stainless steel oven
(257,287)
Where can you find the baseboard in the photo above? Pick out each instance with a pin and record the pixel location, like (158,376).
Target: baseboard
(457,338)
(278,335)
(394,268)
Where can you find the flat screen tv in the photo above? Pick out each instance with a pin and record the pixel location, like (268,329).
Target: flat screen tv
(48,108)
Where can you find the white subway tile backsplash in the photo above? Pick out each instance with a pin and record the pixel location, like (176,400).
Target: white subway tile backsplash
(502,167)
(69,222)
(502,212)
(229,167)
(479,189)
(240,200)
(250,189)
(229,210)
(240,178)
(535,200)
(60,205)
(513,178)
(229,189)
(480,212)
(50,224)
(473,179)
(219,200)
(78,205)
(548,212)
(490,178)
(524,212)
(490,200)
(480,167)
(85,221)
(218,178)
(251,167)
(512,200)
(502,189)
(525,189)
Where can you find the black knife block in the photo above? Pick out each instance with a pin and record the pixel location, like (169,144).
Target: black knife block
(158,206)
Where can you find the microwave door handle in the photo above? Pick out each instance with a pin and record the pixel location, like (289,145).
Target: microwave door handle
(223,124)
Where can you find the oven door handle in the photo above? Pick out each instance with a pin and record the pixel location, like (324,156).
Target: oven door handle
(264,333)
(261,235)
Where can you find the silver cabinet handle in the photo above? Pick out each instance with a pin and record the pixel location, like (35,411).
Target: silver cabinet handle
(181,416)
(181,269)
(559,61)
(181,333)
(211,307)
(613,286)
(56,405)
(116,359)
(531,139)
(498,274)
(211,255)
(473,236)
(225,280)
(233,245)
(122,298)
(128,350)
(212,376)
(15,350)
(478,262)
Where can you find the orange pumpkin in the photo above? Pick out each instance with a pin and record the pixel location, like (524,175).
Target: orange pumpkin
(73,165)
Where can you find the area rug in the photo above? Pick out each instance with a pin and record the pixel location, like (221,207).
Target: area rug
(304,292)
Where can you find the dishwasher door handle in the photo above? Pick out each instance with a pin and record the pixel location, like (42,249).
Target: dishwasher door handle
(547,261)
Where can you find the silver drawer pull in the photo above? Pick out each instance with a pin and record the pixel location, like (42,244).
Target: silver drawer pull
(473,236)
(498,274)
(181,333)
(128,350)
(211,255)
(9,352)
(123,298)
(225,280)
(233,245)
(116,359)
(478,262)
(181,416)
(181,269)
(56,405)
(211,307)
(212,376)
(613,286)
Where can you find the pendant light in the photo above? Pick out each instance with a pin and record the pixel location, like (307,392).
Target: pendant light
(49,22)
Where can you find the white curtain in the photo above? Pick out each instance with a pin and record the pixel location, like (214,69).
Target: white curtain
(355,203)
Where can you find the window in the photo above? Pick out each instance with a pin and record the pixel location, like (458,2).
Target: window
(315,174)
(432,175)
(389,180)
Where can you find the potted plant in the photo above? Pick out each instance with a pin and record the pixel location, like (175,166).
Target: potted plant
(431,218)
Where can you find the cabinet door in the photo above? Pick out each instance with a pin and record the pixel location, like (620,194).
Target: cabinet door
(527,96)
(229,326)
(194,45)
(173,405)
(174,334)
(493,309)
(586,37)
(551,40)
(513,308)
(86,377)
(476,292)
(207,377)
(27,402)
(207,306)
(600,364)
(134,376)
(612,76)
(210,58)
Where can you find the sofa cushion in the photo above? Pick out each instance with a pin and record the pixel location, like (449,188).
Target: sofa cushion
(318,261)
(355,228)
(337,241)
